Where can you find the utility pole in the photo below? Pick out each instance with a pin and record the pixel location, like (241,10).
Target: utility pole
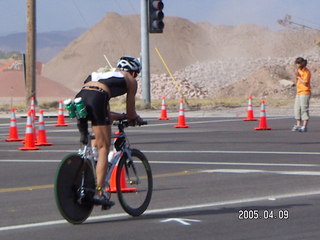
(31,52)
(146,96)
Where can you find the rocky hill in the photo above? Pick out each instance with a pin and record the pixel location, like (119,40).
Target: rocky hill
(13,88)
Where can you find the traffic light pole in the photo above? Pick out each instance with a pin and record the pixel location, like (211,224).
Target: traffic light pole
(146,96)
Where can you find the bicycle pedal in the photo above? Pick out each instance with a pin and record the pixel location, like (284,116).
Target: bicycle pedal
(107,205)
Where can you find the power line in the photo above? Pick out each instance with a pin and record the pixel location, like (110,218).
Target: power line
(288,22)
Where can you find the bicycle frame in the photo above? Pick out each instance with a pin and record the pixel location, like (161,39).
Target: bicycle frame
(87,154)
(119,151)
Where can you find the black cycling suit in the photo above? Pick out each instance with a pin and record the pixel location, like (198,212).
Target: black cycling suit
(97,100)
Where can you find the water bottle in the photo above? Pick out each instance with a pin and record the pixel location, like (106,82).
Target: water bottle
(95,153)
(80,107)
(110,156)
(69,105)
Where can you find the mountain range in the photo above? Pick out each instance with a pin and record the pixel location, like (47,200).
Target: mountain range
(48,43)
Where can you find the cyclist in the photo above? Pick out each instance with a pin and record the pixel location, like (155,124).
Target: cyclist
(96,92)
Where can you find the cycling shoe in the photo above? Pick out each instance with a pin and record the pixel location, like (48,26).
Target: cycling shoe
(103,201)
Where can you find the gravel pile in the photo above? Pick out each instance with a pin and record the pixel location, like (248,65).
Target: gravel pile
(205,79)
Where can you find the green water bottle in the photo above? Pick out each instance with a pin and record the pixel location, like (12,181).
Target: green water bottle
(69,105)
(80,107)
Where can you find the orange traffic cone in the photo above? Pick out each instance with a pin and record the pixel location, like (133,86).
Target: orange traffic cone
(113,185)
(263,118)
(250,116)
(29,136)
(33,108)
(60,120)
(13,130)
(42,136)
(181,118)
(163,115)
(34,129)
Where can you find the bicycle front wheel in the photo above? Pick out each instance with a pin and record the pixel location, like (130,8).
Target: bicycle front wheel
(74,188)
(134,183)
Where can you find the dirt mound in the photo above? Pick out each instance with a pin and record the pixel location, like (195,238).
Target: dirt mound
(182,43)
(271,82)
(265,82)
(201,55)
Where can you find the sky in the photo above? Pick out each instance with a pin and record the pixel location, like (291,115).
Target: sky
(56,15)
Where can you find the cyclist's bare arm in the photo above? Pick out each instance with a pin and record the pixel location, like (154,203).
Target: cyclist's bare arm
(130,100)
(117,116)
(122,116)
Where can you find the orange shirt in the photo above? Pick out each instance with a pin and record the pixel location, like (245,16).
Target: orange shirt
(304,89)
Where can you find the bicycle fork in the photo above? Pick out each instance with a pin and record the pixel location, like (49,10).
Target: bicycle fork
(82,191)
(130,164)
(126,153)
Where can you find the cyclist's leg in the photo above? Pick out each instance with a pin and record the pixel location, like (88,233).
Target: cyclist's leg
(96,103)
(82,125)
(102,142)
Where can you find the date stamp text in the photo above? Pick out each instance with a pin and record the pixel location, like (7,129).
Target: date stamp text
(255,214)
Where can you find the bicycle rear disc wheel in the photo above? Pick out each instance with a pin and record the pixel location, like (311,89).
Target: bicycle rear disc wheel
(71,173)
(134,183)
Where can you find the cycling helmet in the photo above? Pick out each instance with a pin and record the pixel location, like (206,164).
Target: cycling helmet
(129,64)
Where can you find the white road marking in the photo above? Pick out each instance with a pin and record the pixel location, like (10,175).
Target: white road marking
(237,164)
(157,211)
(28,161)
(230,152)
(182,152)
(301,173)
(180,163)
(182,221)
(51,123)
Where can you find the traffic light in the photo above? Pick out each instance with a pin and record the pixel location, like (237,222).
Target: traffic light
(156,15)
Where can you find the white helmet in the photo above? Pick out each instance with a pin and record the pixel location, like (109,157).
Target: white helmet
(129,64)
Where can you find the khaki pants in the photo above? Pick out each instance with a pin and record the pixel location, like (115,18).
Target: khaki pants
(301,107)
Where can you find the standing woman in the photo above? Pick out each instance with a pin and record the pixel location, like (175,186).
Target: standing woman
(302,100)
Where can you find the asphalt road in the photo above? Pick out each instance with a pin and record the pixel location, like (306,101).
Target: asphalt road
(217,179)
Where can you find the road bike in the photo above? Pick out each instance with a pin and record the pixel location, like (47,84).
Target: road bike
(129,175)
